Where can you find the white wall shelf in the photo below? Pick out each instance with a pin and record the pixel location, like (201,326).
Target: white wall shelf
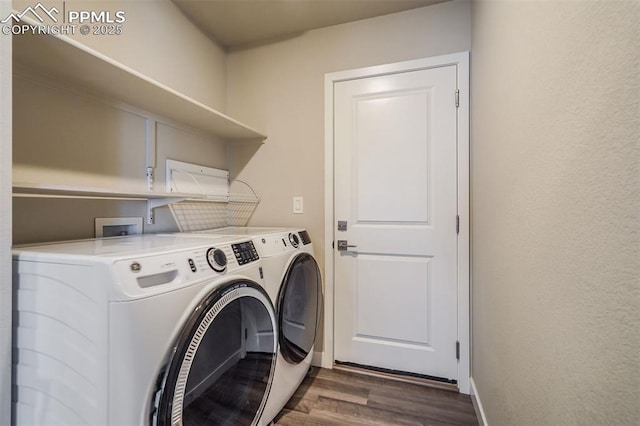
(153,199)
(71,62)
(63,191)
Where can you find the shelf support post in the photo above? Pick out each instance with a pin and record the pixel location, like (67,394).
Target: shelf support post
(150,136)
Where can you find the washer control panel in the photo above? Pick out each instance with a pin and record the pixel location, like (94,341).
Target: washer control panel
(141,275)
(245,252)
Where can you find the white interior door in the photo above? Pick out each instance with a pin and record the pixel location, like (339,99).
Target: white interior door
(395,186)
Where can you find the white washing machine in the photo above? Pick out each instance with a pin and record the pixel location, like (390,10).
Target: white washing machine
(142,330)
(293,281)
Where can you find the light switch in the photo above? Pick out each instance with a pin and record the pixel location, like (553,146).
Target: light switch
(298,205)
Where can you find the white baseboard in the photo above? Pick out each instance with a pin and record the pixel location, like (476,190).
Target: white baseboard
(477,404)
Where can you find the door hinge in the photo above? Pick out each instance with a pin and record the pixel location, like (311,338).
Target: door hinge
(458,350)
(457,98)
(457,224)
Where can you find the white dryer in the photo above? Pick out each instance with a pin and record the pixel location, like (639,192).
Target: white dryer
(293,281)
(142,330)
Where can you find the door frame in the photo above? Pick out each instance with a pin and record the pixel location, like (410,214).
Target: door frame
(461,61)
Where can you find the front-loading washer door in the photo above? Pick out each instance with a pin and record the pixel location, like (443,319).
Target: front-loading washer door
(219,371)
(299,308)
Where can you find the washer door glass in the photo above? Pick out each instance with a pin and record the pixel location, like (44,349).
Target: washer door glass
(299,308)
(219,371)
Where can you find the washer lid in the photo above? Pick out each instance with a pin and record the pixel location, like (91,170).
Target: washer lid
(113,247)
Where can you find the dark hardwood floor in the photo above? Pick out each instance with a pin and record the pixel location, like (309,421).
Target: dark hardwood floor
(330,397)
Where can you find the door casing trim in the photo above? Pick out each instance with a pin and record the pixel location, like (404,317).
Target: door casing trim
(461,61)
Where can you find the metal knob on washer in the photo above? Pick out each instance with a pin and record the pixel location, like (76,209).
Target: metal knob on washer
(217,259)
(294,240)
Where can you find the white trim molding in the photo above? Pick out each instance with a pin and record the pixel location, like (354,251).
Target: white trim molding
(477,404)
(461,61)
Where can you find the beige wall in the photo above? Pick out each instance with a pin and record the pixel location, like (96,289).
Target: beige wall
(68,138)
(160,42)
(555,186)
(41,220)
(280,88)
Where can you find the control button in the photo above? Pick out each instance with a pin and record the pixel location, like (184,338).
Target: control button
(192,265)
(135,267)
(217,259)
(294,240)
(220,257)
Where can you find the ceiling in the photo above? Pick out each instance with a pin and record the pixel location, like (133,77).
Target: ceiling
(241,23)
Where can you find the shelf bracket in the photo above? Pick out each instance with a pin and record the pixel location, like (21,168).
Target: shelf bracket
(154,203)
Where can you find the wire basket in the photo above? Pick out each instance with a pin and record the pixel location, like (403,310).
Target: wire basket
(239,212)
(196,215)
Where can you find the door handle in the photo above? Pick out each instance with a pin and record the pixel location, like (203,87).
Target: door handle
(343,245)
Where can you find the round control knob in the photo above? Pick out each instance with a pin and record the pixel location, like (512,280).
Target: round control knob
(217,259)
(294,240)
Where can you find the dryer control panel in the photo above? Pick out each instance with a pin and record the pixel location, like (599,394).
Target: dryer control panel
(304,236)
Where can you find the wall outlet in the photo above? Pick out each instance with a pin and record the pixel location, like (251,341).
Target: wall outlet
(298,205)
(118,226)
